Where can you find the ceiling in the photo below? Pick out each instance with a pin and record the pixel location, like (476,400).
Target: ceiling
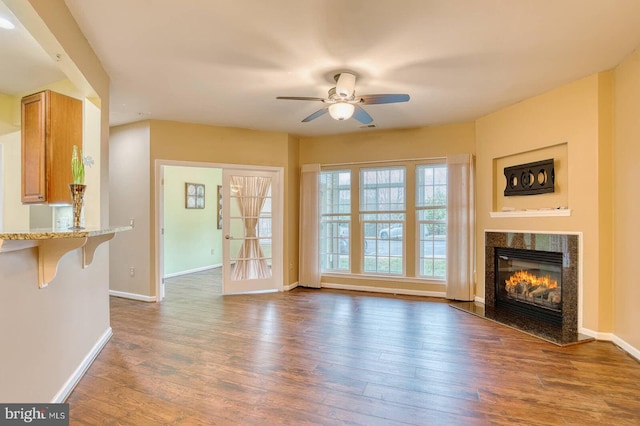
(224,62)
(24,64)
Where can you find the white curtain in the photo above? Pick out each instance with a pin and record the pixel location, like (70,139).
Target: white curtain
(309,266)
(252,191)
(461,227)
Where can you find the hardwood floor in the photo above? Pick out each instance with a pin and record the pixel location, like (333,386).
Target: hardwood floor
(326,357)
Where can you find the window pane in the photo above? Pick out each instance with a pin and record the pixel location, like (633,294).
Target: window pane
(334,245)
(382,189)
(382,208)
(431,185)
(431,216)
(335,220)
(335,192)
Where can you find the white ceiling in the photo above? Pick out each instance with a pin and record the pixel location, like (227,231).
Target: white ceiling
(224,62)
(24,65)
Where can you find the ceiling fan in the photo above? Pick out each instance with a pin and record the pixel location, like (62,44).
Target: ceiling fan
(342,102)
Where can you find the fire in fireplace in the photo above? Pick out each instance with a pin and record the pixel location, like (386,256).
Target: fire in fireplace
(529,282)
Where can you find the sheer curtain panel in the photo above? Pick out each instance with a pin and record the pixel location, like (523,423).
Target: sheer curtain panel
(250,263)
(309,262)
(460,227)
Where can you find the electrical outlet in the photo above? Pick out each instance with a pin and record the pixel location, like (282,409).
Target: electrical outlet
(131,222)
(132,271)
(213,251)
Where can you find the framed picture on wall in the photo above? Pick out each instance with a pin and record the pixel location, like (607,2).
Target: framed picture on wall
(193,195)
(219,206)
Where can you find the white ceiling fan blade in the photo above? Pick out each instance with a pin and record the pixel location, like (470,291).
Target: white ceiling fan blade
(316,114)
(300,98)
(383,99)
(361,115)
(346,84)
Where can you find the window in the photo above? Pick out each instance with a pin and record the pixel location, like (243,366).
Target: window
(431,212)
(397,225)
(383,213)
(335,220)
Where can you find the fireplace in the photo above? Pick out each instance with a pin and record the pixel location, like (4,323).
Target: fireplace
(529,282)
(532,284)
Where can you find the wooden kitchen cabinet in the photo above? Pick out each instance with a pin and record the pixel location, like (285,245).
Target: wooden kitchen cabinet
(51,125)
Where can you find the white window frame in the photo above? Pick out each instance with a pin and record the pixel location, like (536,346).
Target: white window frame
(432,223)
(411,243)
(384,218)
(336,245)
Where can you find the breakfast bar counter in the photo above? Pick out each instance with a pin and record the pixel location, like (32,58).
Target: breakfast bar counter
(53,244)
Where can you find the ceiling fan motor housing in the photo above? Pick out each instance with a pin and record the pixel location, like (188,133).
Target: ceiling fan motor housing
(345,84)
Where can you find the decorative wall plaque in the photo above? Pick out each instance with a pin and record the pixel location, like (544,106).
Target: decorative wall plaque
(530,179)
(193,195)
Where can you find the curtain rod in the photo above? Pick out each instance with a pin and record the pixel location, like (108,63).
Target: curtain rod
(355,163)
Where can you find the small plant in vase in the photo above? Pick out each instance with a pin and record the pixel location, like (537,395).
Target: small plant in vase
(77,166)
(78,187)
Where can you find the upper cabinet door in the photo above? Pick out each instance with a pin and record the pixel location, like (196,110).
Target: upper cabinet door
(34,188)
(51,125)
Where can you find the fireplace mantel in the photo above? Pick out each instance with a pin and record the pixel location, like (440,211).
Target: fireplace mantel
(532,213)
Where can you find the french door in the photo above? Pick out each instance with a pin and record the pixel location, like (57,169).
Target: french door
(252,229)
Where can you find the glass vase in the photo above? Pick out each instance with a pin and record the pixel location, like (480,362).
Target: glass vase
(77,199)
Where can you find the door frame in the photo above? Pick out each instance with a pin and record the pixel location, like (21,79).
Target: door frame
(159,215)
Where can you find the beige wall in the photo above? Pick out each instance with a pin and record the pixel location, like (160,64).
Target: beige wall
(9,117)
(48,332)
(626,201)
(292,206)
(570,114)
(426,142)
(15,214)
(224,145)
(140,145)
(129,189)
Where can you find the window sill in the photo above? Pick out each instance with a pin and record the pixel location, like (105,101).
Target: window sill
(387,278)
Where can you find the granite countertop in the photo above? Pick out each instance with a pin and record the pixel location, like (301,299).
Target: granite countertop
(50,233)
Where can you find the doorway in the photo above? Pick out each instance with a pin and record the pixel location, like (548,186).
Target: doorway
(198,205)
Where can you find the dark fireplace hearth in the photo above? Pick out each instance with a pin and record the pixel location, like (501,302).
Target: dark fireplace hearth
(531,284)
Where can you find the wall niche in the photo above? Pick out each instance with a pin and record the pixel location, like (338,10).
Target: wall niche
(559,199)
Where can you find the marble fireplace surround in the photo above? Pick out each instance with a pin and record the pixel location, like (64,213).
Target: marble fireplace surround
(566,243)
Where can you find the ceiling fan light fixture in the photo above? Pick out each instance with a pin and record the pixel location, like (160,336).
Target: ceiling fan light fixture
(341,110)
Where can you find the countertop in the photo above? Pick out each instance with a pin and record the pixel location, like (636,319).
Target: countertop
(50,233)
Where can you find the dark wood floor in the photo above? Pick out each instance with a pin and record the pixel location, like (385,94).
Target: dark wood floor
(327,357)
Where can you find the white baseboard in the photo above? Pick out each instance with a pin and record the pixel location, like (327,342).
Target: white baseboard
(610,337)
(290,286)
(133,296)
(606,337)
(479,299)
(192,271)
(72,381)
(371,289)
(626,347)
